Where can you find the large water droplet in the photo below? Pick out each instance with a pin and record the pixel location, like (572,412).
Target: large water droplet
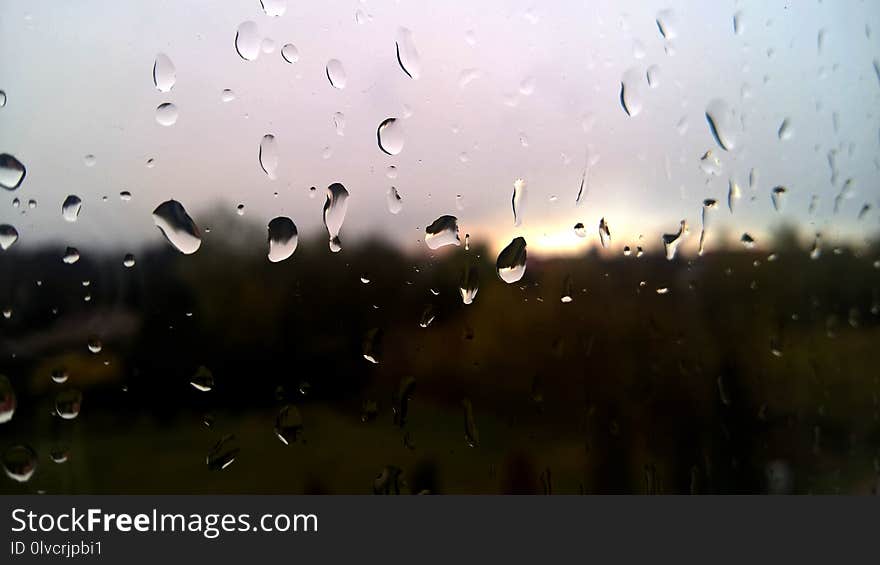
(288,424)
(68,403)
(71,256)
(282,239)
(177,226)
(7,399)
(334,213)
(631,92)
(60,375)
(12,172)
(604,233)
(722,123)
(274,8)
(71,207)
(164,74)
(336,74)
(738,23)
(511,262)
(407,56)
(390,136)
(518,200)
(223,453)
(395,202)
(290,53)
(777,196)
(247,41)
(471,434)
(8,236)
(19,463)
(442,231)
(672,240)
(166,114)
(269,155)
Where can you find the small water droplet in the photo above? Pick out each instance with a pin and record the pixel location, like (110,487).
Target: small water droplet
(604,233)
(471,434)
(391,172)
(290,53)
(672,240)
(738,23)
(89,160)
(19,463)
(334,213)
(580,230)
(336,74)
(166,114)
(283,238)
(653,76)
(164,73)
(407,55)
(427,316)
(567,293)
(12,172)
(7,399)
(785,130)
(511,262)
(71,256)
(274,8)
(816,250)
(777,197)
(442,231)
(247,41)
(203,379)
(2,98)
(631,92)
(395,202)
(223,453)
(722,124)
(8,236)
(227,95)
(125,196)
(268,155)
(372,346)
(470,284)
(68,403)
(177,226)
(667,24)
(390,136)
(339,123)
(733,194)
(71,207)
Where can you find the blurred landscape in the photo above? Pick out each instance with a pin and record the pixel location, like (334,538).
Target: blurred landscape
(750,373)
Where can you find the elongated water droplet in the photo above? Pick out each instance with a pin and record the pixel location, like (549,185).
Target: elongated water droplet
(738,24)
(268,155)
(223,453)
(631,92)
(471,434)
(653,76)
(68,403)
(708,204)
(733,194)
(395,202)
(71,207)
(511,262)
(580,230)
(372,346)
(12,172)
(604,233)
(274,8)
(7,399)
(400,400)
(470,284)
(667,24)
(336,74)
(518,200)
(777,196)
(816,250)
(71,256)
(177,226)
(339,123)
(8,236)
(290,53)
(19,463)
(282,239)
(166,114)
(288,424)
(672,240)
(442,231)
(427,316)
(164,73)
(407,56)
(203,379)
(2,98)
(247,41)
(567,289)
(390,136)
(334,213)
(722,124)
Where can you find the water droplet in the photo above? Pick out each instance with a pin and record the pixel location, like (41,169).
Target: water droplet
(816,250)
(274,8)
(442,231)
(722,123)
(227,95)
(12,172)
(125,196)
(708,204)
(471,434)
(604,233)
(166,114)
(334,213)
(747,241)
(8,236)
(336,74)
(2,98)
(68,403)
(89,160)
(389,481)
(710,164)
(283,239)
(667,23)
(151,163)
(511,262)
(247,41)
(469,285)
(372,346)
(733,194)
(400,400)
(7,399)
(339,123)
(567,289)
(19,463)
(288,424)
(395,202)
(777,196)
(268,155)
(580,230)
(203,379)
(223,453)
(630,92)
(71,256)
(738,24)
(407,56)
(71,207)
(468,76)
(390,136)
(94,344)
(290,53)
(653,76)
(785,130)
(16,202)
(164,73)
(427,316)
(60,376)
(517,201)
(177,226)
(672,240)
(391,172)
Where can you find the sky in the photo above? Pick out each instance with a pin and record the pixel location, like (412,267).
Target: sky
(504,91)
